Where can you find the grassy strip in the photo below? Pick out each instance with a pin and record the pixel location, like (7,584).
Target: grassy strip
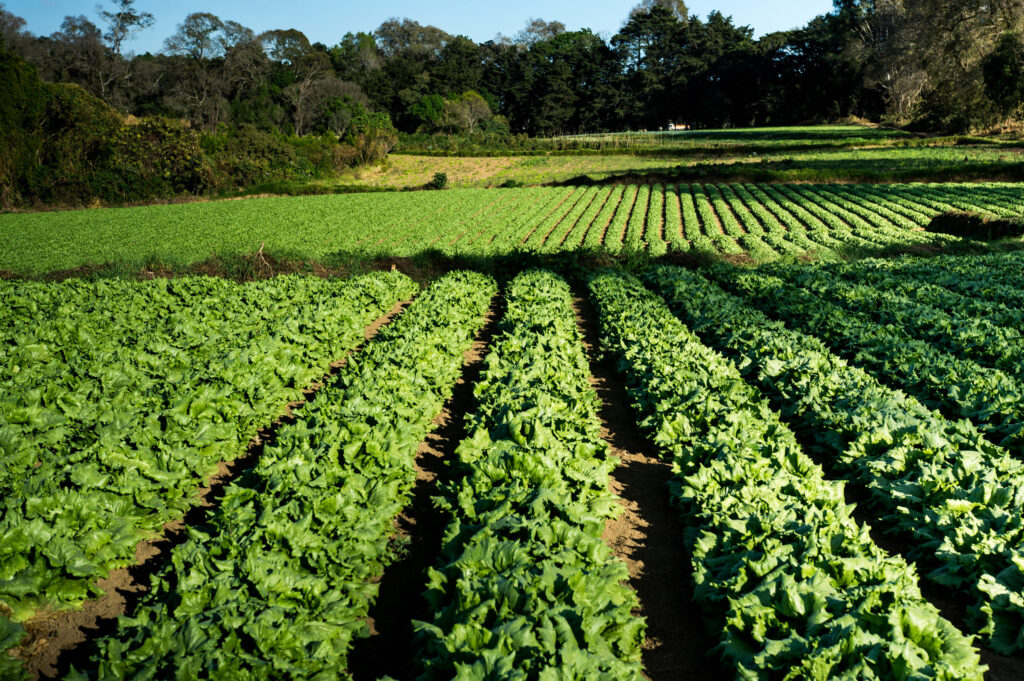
(525,587)
(279,583)
(793,586)
(950,494)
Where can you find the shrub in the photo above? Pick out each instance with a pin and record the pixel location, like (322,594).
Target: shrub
(974,226)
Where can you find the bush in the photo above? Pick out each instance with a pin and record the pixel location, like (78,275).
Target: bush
(974,226)
(373,137)
(440,181)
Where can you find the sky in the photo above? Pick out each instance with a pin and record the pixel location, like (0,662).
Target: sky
(480,20)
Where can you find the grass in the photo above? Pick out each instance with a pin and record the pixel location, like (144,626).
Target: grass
(802,154)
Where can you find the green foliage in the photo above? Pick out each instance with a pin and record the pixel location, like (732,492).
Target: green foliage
(524,581)
(373,136)
(428,110)
(440,181)
(769,222)
(791,584)
(247,156)
(11,634)
(1003,70)
(947,492)
(280,581)
(60,145)
(126,400)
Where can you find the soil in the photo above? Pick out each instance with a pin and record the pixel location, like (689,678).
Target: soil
(390,649)
(58,640)
(648,534)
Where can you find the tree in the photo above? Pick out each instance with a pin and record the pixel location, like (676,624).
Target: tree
(373,136)
(428,111)
(652,46)
(304,64)
(1003,70)
(465,112)
(115,72)
(122,23)
(13,36)
(676,8)
(201,40)
(77,54)
(926,55)
(538,30)
(405,37)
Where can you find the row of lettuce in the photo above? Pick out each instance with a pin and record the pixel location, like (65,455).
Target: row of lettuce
(118,399)
(280,580)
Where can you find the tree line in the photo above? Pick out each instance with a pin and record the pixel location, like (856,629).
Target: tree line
(940,64)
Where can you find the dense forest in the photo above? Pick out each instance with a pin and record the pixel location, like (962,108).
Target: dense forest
(938,63)
(235,108)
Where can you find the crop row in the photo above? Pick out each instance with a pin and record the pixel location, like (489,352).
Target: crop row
(958,387)
(767,221)
(524,586)
(977,338)
(105,441)
(793,584)
(940,485)
(279,582)
(986,285)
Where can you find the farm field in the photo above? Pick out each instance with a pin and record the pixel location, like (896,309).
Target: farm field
(848,164)
(761,221)
(768,398)
(523,440)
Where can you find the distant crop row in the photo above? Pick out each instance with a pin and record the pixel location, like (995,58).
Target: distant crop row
(765,221)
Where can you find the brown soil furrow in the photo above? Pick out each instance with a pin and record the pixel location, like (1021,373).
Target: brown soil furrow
(711,230)
(561,219)
(679,202)
(611,218)
(724,203)
(390,650)
(572,228)
(59,640)
(648,535)
(590,226)
(568,196)
(629,217)
(664,213)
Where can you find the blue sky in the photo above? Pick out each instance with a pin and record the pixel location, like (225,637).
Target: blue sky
(480,20)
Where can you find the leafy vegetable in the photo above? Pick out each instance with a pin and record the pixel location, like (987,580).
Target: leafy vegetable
(526,587)
(792,583)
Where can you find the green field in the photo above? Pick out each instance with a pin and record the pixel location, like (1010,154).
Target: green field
(765,222)
(769,391)
(759,430)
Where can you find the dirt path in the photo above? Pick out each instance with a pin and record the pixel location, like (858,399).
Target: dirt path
(648,534)
(390,649)
(57,641)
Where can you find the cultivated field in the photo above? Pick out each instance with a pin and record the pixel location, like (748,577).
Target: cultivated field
(799,456)
(768,391)
(764,222)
